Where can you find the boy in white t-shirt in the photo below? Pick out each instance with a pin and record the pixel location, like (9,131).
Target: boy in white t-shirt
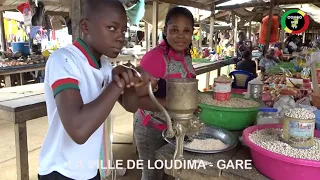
(81,89)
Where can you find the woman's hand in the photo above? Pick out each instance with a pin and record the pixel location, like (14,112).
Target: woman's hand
(145,77)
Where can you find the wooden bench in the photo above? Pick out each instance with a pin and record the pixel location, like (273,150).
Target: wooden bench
(18,105)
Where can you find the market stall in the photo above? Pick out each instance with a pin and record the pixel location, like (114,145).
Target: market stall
(272,120)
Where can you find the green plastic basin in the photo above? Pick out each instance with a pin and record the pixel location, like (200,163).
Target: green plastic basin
(233,119)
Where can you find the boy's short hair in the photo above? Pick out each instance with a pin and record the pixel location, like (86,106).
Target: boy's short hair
(246,54)
(93,7)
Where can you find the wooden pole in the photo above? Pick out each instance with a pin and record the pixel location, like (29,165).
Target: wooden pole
(147,35)
(201,37)
(155,23)
(250,30)
(266,47)
(199,44)
(212,19)
(235,31)
(2,33)
(75,15)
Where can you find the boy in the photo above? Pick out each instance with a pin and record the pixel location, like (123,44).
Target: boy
(80,93)
(247,64)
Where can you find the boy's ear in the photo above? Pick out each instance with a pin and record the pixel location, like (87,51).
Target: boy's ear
(84,26)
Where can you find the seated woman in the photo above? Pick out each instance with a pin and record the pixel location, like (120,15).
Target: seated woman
(268,62)
(247,64)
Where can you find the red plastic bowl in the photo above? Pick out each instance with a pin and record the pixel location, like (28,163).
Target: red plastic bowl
(279,167)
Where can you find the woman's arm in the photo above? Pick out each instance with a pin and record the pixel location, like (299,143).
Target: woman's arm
(139,98)
(145,102)
(152,63)
(276,59)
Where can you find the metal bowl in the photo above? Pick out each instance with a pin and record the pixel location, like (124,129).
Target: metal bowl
(209,133)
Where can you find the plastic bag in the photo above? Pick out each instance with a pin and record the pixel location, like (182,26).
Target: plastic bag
(284,104)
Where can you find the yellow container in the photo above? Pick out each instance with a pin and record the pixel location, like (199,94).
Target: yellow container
(298,133)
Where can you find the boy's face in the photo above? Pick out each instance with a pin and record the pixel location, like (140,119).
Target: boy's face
(106,32)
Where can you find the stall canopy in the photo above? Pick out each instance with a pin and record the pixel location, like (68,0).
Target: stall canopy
(53,7)
(247,10)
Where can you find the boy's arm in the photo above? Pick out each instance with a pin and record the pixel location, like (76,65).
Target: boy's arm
(134,98)
(79,120)
(82,120)
(128,100)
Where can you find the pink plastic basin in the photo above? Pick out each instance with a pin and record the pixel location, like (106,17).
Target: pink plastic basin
(279,167)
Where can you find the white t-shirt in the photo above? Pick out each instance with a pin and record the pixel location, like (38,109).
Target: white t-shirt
(72,67)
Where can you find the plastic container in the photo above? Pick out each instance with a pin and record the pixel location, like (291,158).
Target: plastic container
(298,133)
(228,118)
(268,116)
(279,167)
(22,47)
(221,90)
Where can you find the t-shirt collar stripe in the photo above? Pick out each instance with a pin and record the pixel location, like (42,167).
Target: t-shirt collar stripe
(85,50)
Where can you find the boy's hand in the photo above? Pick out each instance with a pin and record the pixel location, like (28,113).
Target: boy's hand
(126,77)
(123,77)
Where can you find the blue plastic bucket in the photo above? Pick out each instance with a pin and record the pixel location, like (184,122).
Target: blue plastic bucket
(317,113)
(318,125)
(22,47)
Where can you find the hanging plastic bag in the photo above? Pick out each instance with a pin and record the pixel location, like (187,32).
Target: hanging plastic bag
(25,9)
(136,12)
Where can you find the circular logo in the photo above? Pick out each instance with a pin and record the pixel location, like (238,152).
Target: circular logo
(295,21)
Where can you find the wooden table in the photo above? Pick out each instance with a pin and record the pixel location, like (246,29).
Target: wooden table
(212,172)
(7,72)
(18,105)
(202,68)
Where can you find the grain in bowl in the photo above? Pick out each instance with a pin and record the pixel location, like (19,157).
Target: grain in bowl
(204,98)
(270,139)
(206,144)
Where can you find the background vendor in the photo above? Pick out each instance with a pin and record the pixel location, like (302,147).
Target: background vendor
(247,64)
(268,62)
